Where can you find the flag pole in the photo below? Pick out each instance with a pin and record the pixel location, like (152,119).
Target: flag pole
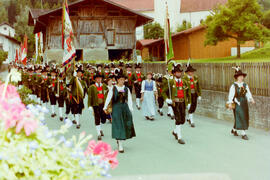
(166,38)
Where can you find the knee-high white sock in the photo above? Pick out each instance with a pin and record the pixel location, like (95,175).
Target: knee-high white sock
(53,111)
(178,131)
(77,117)
(120,144)
(61,112)
(138,102)
(191,118)
(243,132)
(98,127)
(170,110)
(160,109)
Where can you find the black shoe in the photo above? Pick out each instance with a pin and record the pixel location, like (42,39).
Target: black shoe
(147,117)
(151,118)
(172,117)
(99,138)
(161,113)
(61,118)
(192,125)
(245,137)
(53,115)
(139,108)
(234,132)
(175,135)
(101,133)
(158,111)
(78,126)
(188,121)
(74,122)
(181,141)
(169,115)
(122,151)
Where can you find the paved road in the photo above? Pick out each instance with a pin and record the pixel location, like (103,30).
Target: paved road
(210,148)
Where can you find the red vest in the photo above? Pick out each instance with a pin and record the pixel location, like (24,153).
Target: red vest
(139,77)
(180,90)
(192,83)
(100,94)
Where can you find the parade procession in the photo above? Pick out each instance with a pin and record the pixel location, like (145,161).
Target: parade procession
(91,89)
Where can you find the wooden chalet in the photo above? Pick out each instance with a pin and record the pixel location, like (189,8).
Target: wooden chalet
(103,30)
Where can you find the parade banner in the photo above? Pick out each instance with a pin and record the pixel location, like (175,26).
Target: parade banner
(67,36)
(24,51)
(168,38)
(39,44)
(16,57)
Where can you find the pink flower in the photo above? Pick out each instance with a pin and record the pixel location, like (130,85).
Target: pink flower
(29,126)
(104,150)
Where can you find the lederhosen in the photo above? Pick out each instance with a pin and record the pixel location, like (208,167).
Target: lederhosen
(68,100)
(138,85)
(76,108)
(62,95)
(179,107)
(194,97)
(129,81)
(52,92)
(99,114)
(160,98)
(44,91)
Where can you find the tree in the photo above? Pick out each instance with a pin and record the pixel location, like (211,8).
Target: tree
(237,19)
(22,28)
(153,31)
(266,19)
(265,4)
(11,12)
(3,13)
(185,25)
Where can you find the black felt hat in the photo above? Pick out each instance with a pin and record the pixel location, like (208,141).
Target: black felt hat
(113,65)
(106,66)
(128,65)
(238,72)
(177,68)
(119,74)
(138,65)
(121,64)
(190,68)
(97,75)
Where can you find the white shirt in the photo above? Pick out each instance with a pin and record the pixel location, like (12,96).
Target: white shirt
(99,84)
(143,86)
(232,93)
(178,80)
(110,95)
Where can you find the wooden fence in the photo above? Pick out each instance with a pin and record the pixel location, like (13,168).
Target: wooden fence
(219,77)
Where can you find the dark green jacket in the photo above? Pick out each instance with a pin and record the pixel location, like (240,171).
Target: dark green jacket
(197,86)
(93,94)
(173,89)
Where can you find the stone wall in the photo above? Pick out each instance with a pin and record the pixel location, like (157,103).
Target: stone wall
(213,105)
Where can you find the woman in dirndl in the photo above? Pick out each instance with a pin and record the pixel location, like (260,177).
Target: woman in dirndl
(122,122)
(240,95)
(149,95)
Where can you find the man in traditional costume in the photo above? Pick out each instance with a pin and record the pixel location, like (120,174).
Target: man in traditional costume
(195,89)
(138,77)
(96,99)
(180,99)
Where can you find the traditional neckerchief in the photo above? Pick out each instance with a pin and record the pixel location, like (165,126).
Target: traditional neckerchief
(180,90)
(100,90)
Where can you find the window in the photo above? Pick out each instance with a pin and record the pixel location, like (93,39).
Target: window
(111,37)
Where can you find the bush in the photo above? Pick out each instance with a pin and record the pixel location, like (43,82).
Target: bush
(24,93)
(3,56)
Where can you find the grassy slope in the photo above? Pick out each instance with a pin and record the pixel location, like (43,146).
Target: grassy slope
(257,55)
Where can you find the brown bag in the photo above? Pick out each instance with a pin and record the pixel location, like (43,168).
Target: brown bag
(227,105)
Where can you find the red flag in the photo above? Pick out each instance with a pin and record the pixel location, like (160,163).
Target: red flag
(16,57)
(24,51)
